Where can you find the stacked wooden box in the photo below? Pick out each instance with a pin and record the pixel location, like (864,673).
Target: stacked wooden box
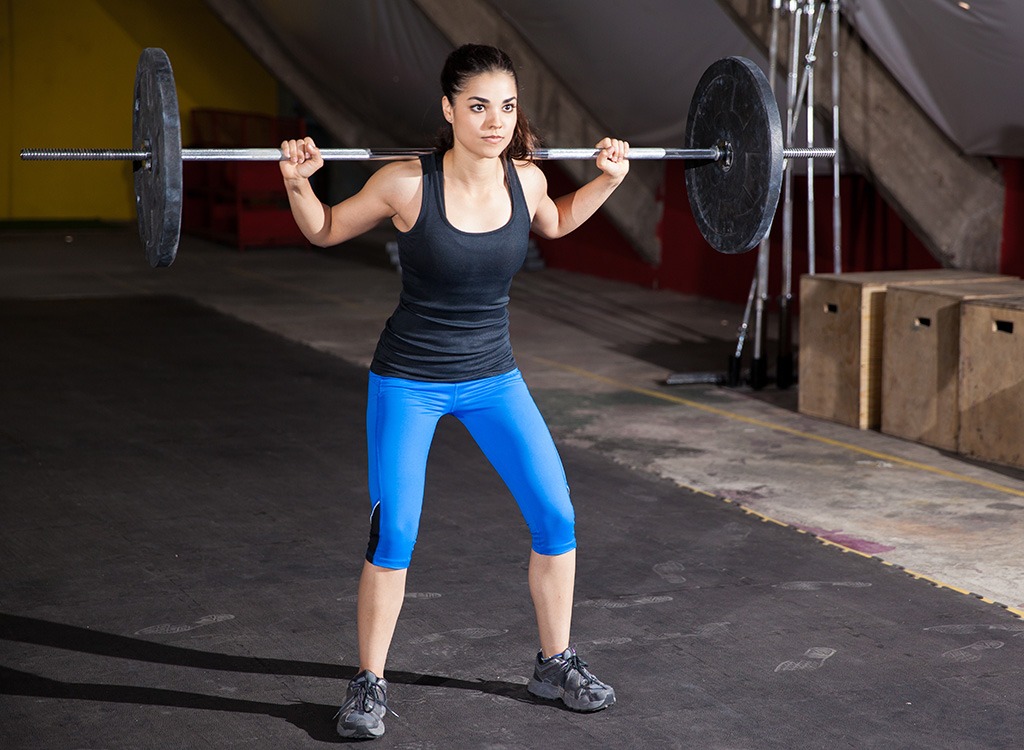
(922,375)
(992,380)
(842,319)
(951,374)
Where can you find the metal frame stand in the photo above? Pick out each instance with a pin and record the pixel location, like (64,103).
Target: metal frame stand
(759,363)
(837,214)
(784,366)
(800,91)
(785,374)
(785,370)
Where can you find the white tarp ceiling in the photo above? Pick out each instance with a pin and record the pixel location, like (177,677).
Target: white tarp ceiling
(634,65)
(963,65)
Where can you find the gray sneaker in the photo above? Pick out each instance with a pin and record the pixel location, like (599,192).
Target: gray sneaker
(566,676)
(362,714)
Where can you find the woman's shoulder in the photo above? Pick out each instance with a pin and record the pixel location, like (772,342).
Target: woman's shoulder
(404,169)
(398,177)
(530,175)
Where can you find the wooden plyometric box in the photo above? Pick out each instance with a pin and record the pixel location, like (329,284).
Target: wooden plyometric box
(921,357)
(841,325)
(992,380)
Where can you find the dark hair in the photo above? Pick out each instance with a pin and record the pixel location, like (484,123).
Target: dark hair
(471,60)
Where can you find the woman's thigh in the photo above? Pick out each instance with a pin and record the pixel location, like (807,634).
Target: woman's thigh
(401,417)
(507,425)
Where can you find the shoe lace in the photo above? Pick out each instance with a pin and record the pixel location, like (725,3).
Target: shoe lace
(365,695)
(574,662)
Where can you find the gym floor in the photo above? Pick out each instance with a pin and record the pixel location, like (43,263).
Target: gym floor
(183,517)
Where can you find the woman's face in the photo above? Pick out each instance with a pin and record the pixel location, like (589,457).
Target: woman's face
(483,115)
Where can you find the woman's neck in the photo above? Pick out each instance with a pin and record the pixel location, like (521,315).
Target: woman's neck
(472,171)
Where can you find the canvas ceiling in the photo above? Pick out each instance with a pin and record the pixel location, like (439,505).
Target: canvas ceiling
(634,65)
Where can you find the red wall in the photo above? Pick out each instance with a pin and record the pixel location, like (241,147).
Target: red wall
(1011,259)
(874,239)
(597,247)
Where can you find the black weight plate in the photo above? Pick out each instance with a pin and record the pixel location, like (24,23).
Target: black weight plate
(156,128)
(734,199)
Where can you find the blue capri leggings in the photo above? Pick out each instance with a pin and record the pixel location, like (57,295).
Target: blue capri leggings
(401,416)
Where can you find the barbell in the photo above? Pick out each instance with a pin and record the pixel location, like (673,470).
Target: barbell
(733,140)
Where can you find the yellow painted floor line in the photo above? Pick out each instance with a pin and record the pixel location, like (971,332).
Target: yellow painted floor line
(809,436)
(842,547)
(781,428)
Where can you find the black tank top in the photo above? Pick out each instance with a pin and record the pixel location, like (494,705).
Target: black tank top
(451,323)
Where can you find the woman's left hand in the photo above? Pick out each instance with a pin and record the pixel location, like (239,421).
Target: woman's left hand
(613,159)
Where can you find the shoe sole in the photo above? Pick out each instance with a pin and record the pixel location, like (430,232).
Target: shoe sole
(554,693)
(360,733)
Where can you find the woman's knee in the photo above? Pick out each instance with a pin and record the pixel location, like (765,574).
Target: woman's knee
(391,540)
(553,528)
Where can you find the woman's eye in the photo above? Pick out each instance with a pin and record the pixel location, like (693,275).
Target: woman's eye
(477,107)
(509,107)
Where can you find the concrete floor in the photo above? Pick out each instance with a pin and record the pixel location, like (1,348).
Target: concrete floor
(595,354)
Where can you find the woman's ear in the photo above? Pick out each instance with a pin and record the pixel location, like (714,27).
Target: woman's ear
(446,108)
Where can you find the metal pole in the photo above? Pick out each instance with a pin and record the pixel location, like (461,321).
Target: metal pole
(370,154)
(791,125)
(84,154)
(355,154)
(837,220)
(810,59)
(787,215)
(759,366)
(734,376)
(784,364)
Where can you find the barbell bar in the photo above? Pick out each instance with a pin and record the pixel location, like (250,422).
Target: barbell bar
(733,148)
(380,154)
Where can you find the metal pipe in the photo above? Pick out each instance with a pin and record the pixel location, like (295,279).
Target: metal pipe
(354,154)
(810,59)
(811,47)
(734,374)
(787,206)
(83,154)
(783,365)
(759,367)
(745,323)
(824,152)
(348,154)
(370,154)
(837,220)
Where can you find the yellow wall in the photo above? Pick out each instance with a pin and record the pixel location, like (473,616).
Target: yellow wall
(67,71)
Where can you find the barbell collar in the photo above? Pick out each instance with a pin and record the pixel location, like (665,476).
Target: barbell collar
(84,154)
(824,152)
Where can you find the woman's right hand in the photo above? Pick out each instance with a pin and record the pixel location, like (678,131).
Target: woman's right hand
(301,159)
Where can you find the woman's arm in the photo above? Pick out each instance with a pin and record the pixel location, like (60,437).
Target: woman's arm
(326,225)
(556,218)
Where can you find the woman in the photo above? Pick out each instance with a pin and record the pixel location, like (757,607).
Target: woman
(463,215)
